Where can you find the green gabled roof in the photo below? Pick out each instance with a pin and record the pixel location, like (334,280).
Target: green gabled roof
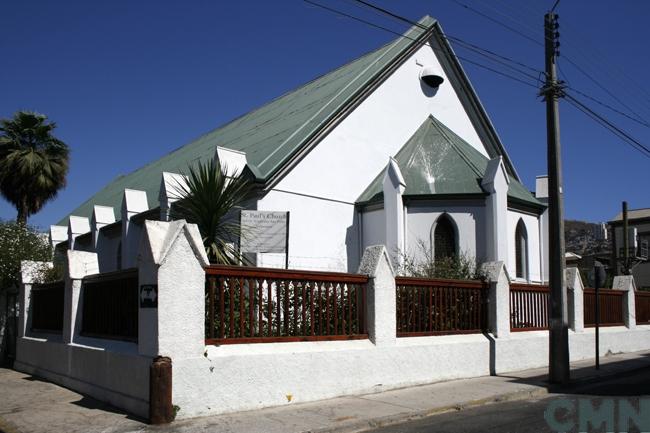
(436,161)
(272,134)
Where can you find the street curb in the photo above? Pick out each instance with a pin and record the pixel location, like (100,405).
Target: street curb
(364,425)
(543,389)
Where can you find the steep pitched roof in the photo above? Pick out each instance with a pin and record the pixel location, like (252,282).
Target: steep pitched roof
(277,134)
(437,161)
(272,134)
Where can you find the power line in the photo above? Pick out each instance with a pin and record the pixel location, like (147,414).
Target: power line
(627,138)
(494,20)
(597,83)
(507,65)
(498,72)
(568,59)
(465,59)
(480,50)
(486,53)
(646,124)
(477,48)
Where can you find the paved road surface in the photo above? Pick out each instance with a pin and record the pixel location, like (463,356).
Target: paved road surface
(528,416)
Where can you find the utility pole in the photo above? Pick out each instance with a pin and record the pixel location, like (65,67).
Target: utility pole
(558,321)
(626,242)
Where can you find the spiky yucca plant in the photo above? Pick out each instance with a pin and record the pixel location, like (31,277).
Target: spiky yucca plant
(210,198)
(33,163)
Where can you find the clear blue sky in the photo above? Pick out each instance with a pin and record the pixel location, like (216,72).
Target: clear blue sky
(127,82)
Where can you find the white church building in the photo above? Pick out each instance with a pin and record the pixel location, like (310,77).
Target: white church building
(392,148)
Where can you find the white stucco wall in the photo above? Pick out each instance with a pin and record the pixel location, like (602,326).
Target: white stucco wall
(110,371)
(469,219)
(534,254)
(246,377)
(321,233)
(344,163)
(373,228)
(108,244)
(524,350)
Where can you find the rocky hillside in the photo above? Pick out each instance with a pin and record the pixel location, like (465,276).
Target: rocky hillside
(584,238)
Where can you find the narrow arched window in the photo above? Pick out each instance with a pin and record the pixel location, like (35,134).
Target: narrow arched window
(444,238)
(521,250)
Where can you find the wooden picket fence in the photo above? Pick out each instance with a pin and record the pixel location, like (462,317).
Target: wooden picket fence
(611,307)
(642,305)
(439,306)
(529,304)
(258,305)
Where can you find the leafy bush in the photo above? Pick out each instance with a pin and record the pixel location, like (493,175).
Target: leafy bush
(422,264)
(19,242)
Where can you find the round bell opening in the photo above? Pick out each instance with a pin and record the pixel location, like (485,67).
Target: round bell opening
(430,76)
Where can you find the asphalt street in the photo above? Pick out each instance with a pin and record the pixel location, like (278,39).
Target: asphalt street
(589,404)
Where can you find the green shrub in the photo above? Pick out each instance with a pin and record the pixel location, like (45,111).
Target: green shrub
(19,242)
(422,264)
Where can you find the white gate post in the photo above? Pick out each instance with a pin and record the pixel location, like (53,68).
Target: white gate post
(380,296)
(626,283)
(498,298)
(171,319)
(575,292)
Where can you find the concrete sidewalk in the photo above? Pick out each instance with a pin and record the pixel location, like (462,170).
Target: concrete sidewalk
(28,404)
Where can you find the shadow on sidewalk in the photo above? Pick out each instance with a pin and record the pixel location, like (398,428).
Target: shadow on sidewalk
(88,402)
(586,380)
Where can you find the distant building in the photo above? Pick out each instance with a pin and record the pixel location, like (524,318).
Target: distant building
(638,243)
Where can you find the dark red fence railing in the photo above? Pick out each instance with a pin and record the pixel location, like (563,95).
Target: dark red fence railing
(528,307)
(438,307)
(642,300)
(611,307)
(47,307)
(259,305)
(110,305)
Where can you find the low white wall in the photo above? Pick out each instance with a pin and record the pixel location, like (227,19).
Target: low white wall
(245,377)
(525,350)
(114,373)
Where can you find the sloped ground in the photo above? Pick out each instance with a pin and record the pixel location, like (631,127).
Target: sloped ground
(30,405)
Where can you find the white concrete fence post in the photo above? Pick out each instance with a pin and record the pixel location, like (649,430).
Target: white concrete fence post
(29,275)
(498,298)
(79,265)
(575,292)
(171,319)
(626,284)
(380,296)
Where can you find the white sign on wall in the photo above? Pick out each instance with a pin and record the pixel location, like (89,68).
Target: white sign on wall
(264,231)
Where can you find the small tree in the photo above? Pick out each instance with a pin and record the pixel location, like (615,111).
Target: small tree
(33,163)
(18,243)
(208,199)
(423,264)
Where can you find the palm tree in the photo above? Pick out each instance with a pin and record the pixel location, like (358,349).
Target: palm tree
(33,163)
(208,199)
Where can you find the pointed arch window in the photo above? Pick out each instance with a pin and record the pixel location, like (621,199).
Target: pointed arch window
(444,238)
(521,250)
